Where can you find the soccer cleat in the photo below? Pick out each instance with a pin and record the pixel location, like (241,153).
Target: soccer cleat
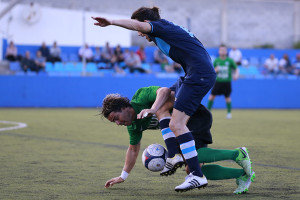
(228,116)
(244,161)
(192,182)
(172,164)
(244,183)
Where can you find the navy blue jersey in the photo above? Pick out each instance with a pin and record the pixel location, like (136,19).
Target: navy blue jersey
(182,46)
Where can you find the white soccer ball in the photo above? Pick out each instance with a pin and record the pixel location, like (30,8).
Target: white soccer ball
(154,157)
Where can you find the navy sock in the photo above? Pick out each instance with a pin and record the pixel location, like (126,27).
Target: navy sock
(188,149)
(169,137)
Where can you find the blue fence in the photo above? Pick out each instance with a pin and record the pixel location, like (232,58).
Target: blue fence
(45,91)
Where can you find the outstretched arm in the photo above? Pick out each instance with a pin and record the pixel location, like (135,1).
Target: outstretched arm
(131,156)
(130,24)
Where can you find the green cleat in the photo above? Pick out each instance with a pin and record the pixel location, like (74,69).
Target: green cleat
(244,183)
(244,161)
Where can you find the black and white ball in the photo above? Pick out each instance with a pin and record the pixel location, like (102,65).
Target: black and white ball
(154,157)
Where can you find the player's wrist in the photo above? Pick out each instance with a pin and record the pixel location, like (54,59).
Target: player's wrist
(124,175)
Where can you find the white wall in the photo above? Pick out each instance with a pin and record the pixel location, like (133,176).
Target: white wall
(61,25)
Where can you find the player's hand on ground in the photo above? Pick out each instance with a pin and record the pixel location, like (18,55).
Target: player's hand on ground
(113,181)
(102,21)
(145,113)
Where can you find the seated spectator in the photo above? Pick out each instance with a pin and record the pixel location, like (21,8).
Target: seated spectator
(40,61)
(162,59)
(118,56)
(107,54)
(141,53)
(45,51)
(271,65)
(133,63)
(177,67)
(28,63)
(236,55)
(285,66)
(126,54)
(86,53)
(296,65)
(55,53)
(159,56)
(97,55)
(11,52)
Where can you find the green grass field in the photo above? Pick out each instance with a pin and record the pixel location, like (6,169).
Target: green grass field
(70,153)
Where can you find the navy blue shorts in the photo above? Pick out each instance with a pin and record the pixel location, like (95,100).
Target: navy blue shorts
(190,90)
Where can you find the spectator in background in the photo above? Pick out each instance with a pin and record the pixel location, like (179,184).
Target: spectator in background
(141,53)
(45,51)
(118,56)
(11,52)
(162,59)
(55,53)
(236,55)
(296,65)
(86,53)
(133,63)
(97,55)
(28,63)
(40,61)
(177,67)
(126,54)
(159,56)
(285,66)
(107,54)
(271,65)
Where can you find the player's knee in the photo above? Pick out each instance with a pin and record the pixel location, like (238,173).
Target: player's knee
(175,126)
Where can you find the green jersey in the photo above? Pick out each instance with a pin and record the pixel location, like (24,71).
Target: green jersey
(142,99)
(225,69)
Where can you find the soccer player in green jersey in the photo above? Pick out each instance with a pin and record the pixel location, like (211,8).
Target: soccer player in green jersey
(136,115)
(223,67)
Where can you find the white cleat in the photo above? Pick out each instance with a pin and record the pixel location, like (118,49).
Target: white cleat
(192,182)
(172,164)
(228,116)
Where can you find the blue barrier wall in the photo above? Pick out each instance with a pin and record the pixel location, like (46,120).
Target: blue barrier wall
(45,91)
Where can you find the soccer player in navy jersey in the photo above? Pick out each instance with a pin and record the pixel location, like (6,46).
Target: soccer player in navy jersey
(184,48)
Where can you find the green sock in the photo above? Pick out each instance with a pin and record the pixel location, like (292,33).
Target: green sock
(208,155)
(217,172)
(228,105)
(210,104)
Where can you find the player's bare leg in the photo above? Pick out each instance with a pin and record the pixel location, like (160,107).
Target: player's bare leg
(175,159)
(195,179)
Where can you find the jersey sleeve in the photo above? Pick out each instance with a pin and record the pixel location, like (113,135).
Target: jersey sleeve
(135,135)
(157,28)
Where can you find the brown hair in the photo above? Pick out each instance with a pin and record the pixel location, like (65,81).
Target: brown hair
(144,13)
(114,103)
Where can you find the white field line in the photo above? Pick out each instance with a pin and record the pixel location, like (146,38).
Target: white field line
(17,125)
